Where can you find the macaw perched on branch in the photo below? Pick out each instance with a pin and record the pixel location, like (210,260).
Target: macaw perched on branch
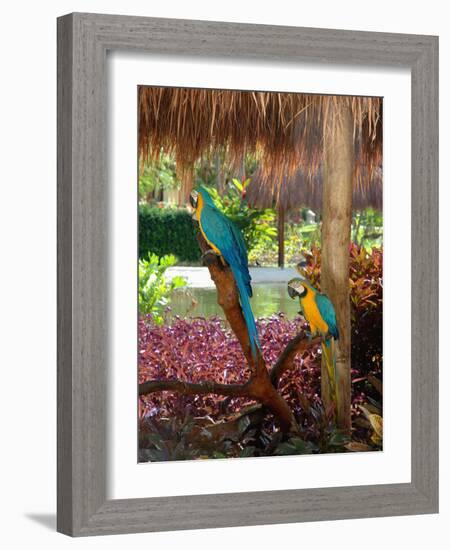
(226,240)
(319,313)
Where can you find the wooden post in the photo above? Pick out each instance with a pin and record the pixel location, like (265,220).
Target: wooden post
(336,237)
(280,231)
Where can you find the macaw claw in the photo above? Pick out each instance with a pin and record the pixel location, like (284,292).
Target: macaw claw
(209,256)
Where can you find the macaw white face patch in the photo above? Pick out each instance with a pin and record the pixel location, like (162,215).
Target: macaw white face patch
(296,288)
(299,288)
(193,199)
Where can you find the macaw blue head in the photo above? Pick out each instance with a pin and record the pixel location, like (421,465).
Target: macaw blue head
(299,287)
(200,191)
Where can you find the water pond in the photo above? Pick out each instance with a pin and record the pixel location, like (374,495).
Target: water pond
(268,298)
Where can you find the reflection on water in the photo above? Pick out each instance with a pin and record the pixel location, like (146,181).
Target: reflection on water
(267,298)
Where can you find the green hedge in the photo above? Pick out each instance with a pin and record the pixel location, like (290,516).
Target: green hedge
(167,231)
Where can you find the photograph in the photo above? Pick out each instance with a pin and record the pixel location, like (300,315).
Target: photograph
(221,278)
(260,274)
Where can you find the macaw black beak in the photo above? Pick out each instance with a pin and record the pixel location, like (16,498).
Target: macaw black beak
(193,199)
(292,292)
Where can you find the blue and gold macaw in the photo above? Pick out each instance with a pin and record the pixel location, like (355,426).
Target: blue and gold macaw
(226,240)
(319,313)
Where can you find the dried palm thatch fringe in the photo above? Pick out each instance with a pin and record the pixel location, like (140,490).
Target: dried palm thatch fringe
(302,189)
(284,131)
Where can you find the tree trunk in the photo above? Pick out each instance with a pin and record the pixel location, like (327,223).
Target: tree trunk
(336,238)
(280,230)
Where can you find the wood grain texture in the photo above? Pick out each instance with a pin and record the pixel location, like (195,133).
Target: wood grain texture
(425,272)
(64,252)
(83,40)
(82,275)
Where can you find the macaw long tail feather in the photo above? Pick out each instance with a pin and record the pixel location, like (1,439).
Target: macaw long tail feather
(329,353)
(247,311)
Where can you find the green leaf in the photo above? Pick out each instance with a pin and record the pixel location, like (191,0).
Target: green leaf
(300,445)
(247,451)
(237,184)
(156,440)
(244,423)
(338,439)
(285,449)
(154,455)
(218,454)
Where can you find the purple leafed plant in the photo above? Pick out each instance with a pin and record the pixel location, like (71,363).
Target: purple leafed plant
(201,349)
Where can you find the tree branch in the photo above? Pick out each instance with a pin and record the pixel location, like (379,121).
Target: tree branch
(228,299)
(298,344)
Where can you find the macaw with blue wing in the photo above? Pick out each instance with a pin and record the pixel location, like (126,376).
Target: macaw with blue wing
(319,313)
(226,240)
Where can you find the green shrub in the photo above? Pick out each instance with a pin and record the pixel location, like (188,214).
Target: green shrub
(165,231)
(154,290)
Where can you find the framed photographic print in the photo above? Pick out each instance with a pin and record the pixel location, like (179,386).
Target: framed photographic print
(247,256)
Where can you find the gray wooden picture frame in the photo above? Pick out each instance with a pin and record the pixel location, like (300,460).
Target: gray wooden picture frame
(83,41)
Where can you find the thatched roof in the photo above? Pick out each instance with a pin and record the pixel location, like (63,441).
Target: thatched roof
(303,190)
(283,130)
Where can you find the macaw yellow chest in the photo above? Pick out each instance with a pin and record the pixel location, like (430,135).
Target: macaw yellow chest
(198,212)
(312,314)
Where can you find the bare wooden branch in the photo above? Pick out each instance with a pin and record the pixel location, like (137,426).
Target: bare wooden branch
(228,299)
(298,344)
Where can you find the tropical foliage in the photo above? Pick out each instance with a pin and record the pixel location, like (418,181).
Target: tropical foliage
(257,226)
(154,290)
(157,176)
(367,228)
(176,426)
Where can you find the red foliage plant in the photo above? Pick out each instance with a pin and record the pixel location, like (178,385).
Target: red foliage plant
(198,350)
